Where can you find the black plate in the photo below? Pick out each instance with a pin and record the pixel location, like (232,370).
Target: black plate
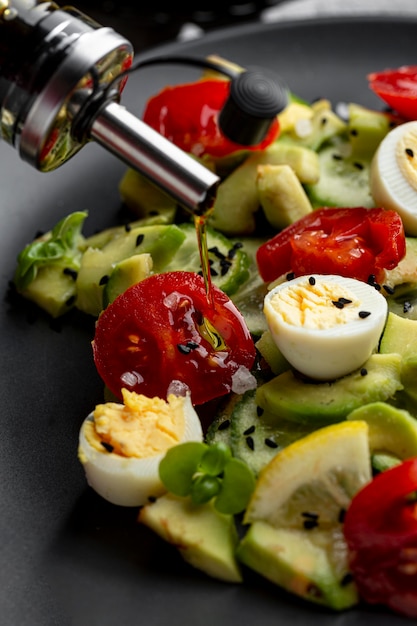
(67,557)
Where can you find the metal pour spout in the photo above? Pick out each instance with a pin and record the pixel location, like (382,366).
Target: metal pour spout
(191,184)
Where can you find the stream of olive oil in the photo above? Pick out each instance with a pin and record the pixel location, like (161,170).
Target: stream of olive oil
(207,329)
(200,222)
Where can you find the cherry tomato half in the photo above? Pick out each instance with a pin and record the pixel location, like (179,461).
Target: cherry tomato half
(381,532)
(352,242)
(398,88)
(163,329)
(187,115)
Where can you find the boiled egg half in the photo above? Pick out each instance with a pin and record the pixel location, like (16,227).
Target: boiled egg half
(121,445)
(326,326)
(394,174)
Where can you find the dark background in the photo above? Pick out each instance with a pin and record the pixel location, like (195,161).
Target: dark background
(150,23)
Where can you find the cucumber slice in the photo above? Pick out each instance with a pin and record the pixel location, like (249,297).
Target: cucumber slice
(344,179)
(257,436)
(228,261)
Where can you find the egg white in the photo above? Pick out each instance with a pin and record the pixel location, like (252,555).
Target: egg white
(129,481)
(330,352)
(392,186)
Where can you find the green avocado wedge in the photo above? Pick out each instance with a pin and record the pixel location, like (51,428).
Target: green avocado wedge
(308,402)
(205,538)
(302,562)
(390,430)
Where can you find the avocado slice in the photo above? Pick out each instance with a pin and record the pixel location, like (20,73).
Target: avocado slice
(400,335)
(97,264)
(367,128)
(237,198)
(390,430)
(297,399)
(125,274)
(53,289)
(304,563)
(146,199)
(204,537)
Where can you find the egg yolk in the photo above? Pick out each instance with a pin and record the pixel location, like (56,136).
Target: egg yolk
(140,427)
(315,305)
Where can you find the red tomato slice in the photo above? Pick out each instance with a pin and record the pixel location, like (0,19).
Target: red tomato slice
(163,329)
(187,115)
(381,532)
(351,242)
(398,88)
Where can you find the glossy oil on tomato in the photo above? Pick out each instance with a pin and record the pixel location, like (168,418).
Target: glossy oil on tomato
(398,88)
(163,329)
(187,115)
(381,532)
(352,242)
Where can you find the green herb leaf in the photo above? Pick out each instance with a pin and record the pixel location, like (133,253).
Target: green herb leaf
(60,245)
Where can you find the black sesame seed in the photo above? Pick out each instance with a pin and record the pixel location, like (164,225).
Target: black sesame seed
(250,443)
(309,524)
(192,345)
(364,371)
(407,306)
(364,314)
(68,271)
(337,157)
(409,152)
(290,276)
(214,250)
(323,121)
(342,515)
(354,132)
(389,290)
(224,266)
(184,349)
(346,580)
(152,499)
(371,279)
(224,425)
(359,166)
(249,430)
(139,239)
(214,272)
(104,279)
(259,411)
(128,228)
(345,300)
(107,446)
(338,304)
(270,443)
(310,515)
(312,280)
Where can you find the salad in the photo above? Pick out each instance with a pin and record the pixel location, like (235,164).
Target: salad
(257,425)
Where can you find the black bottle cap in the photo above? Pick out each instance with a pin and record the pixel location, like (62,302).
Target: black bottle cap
(255,99)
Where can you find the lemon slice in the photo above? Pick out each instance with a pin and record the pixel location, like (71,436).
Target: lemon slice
(295,537)
(310,483)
